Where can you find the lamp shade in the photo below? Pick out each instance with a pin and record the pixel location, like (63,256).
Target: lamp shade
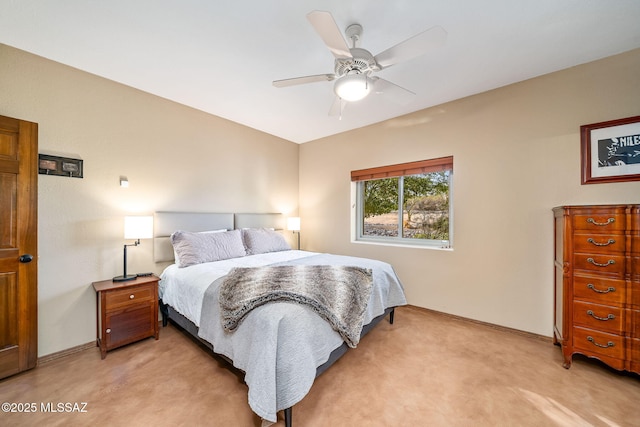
(293,224)
(352,87)
(138,227)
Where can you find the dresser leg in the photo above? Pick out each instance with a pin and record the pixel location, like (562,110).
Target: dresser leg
(567,359)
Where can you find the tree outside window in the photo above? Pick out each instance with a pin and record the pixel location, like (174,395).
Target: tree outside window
(410,208)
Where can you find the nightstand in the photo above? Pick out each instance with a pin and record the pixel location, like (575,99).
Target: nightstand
(126,311)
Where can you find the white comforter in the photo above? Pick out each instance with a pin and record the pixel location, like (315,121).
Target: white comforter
(273,345)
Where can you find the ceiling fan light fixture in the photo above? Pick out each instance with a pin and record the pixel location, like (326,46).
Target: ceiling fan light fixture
(352,87)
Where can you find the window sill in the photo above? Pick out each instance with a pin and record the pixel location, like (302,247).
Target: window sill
(401,245)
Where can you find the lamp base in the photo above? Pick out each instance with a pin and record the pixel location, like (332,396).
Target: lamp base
(125,278)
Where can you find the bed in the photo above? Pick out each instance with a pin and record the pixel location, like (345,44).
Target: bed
(282,345)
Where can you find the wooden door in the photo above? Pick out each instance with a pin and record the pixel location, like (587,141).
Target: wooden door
(18,245)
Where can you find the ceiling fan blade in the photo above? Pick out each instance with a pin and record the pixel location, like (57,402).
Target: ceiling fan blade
(392,91)
(337,107)
(415,46)
(328,30)
(302,80)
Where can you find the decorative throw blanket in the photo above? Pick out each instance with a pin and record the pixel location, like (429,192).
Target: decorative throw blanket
(339,294)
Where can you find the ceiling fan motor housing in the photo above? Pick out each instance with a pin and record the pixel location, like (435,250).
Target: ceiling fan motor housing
(362,62)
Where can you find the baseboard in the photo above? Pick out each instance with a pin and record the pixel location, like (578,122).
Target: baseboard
(60,354)
(490,325)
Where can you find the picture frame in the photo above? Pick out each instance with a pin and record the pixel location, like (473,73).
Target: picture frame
(60,166)
(610,151)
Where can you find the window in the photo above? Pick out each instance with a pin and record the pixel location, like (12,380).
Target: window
(408,203)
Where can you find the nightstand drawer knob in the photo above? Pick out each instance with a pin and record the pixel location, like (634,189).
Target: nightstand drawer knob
(131,296)
(108,330)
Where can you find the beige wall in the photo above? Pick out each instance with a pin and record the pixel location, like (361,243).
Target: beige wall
(175,158)
(516,155)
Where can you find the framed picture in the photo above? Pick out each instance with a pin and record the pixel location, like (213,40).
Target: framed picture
(611,151)
(59,166)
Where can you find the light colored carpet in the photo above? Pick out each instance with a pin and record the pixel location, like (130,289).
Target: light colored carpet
(427,369)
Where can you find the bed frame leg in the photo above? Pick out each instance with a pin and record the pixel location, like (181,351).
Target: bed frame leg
(287,417)
(391,313)
(165,313)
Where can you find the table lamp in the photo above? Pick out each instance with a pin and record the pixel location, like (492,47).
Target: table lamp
(293,224)
(136,228)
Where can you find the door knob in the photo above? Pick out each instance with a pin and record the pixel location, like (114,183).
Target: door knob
(26,258)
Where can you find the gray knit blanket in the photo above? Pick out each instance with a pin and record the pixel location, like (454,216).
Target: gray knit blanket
(339,294)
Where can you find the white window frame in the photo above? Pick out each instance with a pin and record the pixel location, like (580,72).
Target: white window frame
(357,217)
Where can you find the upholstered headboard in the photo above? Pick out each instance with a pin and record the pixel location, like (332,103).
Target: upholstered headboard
(165,223)
(259,220)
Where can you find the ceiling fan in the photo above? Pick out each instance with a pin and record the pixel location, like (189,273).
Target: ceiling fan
(354,67)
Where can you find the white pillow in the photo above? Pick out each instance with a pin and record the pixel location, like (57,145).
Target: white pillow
(263,240)
(175,255)
(196,248)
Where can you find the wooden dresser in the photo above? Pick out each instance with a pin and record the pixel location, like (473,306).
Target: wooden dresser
(597,283)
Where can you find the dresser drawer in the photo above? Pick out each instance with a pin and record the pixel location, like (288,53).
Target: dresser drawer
(600,221)
(599,290)
(599,263)
(634,323)
(635,219)
(599,343)
(599,243)
(599,317)
(116,299)
(635,275)
(635,355)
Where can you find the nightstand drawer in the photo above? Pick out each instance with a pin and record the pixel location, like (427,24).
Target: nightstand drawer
(130,325)
(117,298)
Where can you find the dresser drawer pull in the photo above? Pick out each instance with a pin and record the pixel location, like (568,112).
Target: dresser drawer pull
(131,296)
(592,341)
(610,242)
(604,319)
(609,221)
(606,291)
(592,261)
(108,331)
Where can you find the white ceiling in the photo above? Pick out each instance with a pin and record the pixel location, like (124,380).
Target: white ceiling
(220,56)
